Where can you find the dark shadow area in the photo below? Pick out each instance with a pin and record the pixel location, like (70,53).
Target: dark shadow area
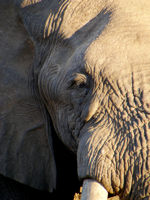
(13,190)
(67,179)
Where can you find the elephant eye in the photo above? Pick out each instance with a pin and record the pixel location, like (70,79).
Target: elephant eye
(82,85)
(78,81)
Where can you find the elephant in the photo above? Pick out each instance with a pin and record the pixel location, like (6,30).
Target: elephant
(79,70)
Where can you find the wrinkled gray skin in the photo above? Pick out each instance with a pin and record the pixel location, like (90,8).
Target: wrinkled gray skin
(91,73)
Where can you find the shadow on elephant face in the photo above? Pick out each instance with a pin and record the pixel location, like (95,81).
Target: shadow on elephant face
(65,79)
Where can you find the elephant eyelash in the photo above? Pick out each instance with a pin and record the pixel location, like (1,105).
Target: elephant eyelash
(78,81)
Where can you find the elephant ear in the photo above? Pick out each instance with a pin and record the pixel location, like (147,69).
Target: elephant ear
(26,152)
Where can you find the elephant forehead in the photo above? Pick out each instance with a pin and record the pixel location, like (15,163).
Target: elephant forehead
(118,40)
(123,45)
(71,15)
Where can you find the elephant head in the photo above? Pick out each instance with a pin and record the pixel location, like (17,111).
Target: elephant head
(91,76)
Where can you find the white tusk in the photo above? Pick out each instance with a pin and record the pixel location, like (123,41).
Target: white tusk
(92,190)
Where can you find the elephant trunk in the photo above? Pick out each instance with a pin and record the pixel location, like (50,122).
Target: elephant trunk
(92,190)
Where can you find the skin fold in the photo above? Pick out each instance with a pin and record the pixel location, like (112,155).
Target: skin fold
(90,75)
